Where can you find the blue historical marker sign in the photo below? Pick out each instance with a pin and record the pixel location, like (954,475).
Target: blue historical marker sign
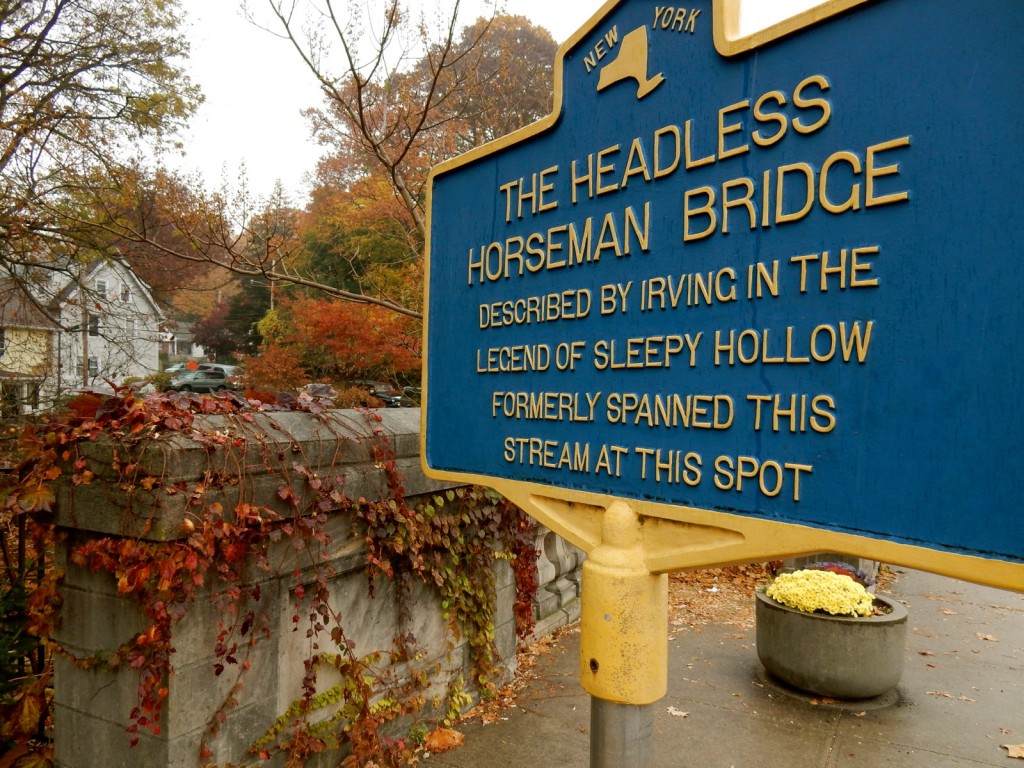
(783,283)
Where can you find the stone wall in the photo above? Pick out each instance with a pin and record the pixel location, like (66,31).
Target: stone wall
(93,706)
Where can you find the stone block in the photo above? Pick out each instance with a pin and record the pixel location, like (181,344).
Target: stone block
(175,456)
(555,620)
(295,564)
(86,741)
(426,622)
(504,575)
(545,604)
(506,642)
(197,692)
(230,742)
(504,607)
(328,447)
(95,694)
(370,624)
(79,577)
(565,590)
(93,621)
(102,507)
(401,426)
(416,483)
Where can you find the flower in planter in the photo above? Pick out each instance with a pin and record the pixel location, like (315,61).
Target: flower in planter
(817,589)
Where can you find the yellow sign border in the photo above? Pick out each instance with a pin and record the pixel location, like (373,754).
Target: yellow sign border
(726,21)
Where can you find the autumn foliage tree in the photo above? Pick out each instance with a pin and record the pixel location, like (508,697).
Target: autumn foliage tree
(358,235)
(500,81)
(401,94)
(83,84)
(336,342)
(398,116)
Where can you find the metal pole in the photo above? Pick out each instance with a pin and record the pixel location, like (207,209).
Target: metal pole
(621,735)
(85,340)
(623,642)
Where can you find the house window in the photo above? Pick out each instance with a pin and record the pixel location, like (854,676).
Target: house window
(126,292)
(3,342)
(8,400)
(94,366)
(94,325)
(101,288)
(129,327)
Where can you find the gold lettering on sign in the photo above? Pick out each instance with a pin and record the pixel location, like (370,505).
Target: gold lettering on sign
(562,246)
(788,193)
(684,324)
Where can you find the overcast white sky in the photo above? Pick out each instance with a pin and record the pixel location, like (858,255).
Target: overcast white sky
(255,87)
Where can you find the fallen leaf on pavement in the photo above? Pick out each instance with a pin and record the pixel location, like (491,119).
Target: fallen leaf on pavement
(1015,750)
(943,694)
(443,739)
(677,712)
(823,700)
(983,636)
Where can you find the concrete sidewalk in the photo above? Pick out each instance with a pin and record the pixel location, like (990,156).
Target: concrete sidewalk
(961,697)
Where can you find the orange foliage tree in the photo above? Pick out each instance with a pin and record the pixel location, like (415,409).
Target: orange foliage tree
(358,236)
(336,342)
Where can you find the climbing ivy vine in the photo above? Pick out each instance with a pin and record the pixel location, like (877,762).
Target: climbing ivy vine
(449,541)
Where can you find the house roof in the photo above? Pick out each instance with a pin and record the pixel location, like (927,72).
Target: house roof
(18,310)
(124,272)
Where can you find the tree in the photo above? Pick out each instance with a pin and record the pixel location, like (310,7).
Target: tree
(501,79)
(391,114)
(85,85)
(271,242)
(360,233)
(338,342)
(358,236)
(212,332)
(232,325)
(392,122)
(82,83)
(157,259)
(400,96)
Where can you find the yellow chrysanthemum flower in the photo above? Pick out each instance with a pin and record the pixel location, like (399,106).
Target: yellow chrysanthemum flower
(811,591)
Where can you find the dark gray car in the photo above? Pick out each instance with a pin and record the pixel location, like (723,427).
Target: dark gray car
(201,381)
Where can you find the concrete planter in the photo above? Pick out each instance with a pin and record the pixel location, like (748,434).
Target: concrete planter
(838,656)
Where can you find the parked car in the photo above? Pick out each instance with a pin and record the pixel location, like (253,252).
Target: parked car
(229,370)
(203,380)
(392,398)
(175,369)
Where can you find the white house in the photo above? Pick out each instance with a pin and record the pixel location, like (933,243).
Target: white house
(115,327)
